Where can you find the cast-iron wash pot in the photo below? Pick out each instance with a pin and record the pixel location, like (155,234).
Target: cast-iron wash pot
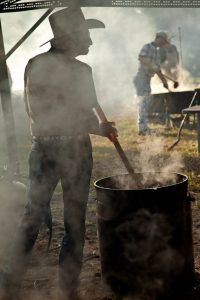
(145,234)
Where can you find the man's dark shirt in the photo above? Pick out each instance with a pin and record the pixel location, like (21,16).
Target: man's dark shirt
(60,95)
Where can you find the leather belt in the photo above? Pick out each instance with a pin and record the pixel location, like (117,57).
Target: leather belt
(52,138)
(57,137)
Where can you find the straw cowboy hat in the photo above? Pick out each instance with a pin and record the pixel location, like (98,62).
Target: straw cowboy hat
(68,21)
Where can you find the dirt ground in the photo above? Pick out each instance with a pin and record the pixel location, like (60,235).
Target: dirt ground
(41,280)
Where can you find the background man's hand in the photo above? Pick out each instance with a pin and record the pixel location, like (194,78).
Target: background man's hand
(176,84)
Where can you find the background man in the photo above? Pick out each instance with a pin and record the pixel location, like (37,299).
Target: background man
(149,66)
(60,98)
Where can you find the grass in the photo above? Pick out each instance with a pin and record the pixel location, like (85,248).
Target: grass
(149,153)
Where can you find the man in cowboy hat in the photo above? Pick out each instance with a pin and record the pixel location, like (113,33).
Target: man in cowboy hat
(149,66)
(60,98)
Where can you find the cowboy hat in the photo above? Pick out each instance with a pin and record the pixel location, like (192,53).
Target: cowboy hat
(68,21)
(164,34)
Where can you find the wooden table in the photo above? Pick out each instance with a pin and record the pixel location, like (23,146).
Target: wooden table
(192,110)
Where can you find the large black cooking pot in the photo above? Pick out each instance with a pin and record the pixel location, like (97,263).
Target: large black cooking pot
(145,234)
(173,102)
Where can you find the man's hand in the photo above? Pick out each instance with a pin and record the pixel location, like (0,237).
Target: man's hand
(107,129)
(176,84)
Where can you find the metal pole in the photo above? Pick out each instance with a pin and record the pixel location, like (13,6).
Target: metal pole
(180,43)
(6,102)
(198,132)
(43,17)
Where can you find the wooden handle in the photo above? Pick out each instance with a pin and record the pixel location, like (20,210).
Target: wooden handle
(173,80)
(115,141)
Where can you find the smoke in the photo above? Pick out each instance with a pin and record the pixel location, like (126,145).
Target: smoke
(114,54)
(12,204)
(14,29)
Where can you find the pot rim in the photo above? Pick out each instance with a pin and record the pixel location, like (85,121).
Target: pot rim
(97,186)
(174,92)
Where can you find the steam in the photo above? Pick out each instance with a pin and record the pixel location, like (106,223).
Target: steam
(152,157)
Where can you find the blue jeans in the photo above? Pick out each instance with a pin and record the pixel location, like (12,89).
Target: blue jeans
(143,90)
(50,161)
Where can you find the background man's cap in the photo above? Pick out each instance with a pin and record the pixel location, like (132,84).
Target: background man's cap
(69,21)
(163,34)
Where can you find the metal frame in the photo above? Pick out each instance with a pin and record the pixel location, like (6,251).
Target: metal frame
(13,6)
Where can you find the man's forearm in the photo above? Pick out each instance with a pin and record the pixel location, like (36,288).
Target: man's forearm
(161,76)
